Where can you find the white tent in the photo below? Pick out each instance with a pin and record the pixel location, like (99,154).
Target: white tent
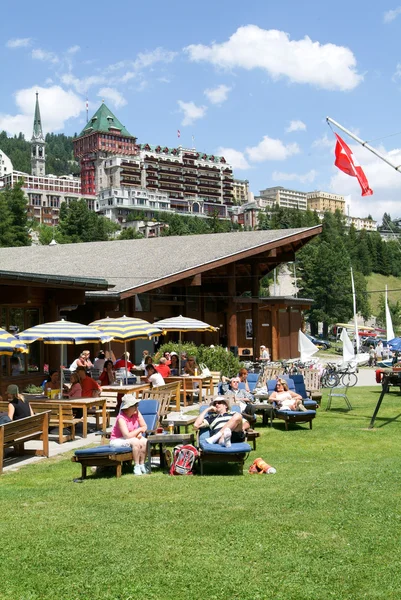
(305,347)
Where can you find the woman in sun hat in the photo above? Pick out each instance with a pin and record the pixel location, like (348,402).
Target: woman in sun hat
(17,407)
(128,431)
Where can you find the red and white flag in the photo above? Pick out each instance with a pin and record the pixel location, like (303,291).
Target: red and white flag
(178,133)
(347,163)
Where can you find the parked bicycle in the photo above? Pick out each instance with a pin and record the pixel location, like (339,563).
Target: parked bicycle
(333,377)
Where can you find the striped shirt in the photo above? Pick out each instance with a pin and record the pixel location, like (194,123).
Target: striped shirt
(216,422)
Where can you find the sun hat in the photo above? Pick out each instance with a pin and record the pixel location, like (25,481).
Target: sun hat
(263,346)
(13,389)
(221,399)
(173,354)
(128,401)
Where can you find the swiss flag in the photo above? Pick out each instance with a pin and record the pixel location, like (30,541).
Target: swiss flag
(347,163)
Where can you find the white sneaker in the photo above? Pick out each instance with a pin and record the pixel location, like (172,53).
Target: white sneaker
(137,470)
(143,469)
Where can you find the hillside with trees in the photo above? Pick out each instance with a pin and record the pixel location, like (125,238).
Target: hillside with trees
(59,153)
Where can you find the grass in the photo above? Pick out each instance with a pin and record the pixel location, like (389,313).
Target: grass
(325,526)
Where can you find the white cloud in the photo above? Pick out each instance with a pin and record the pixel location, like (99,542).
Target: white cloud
(18,43)
(113,96)
(390,15)
(324,142)
(384,181)
(39,54)
(234,157)
(271,149)
(147,59)
(308,177)
(217,95)
(56,105)
(82,85)
(325,66)
(191,112)
(296,126)
(73,49)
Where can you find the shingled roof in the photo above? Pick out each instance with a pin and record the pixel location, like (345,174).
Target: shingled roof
(104,121)
(138,265)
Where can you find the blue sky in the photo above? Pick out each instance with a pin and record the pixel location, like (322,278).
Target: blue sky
(253,81)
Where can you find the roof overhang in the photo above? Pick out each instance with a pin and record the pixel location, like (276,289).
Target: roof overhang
(87,283)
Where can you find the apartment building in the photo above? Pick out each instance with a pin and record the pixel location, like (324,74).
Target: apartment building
(325,202)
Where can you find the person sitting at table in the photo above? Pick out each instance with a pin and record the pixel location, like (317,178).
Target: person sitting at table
(90,387)
(285,399)
(17,407)
(75,389)
(191,368)
(167,356)
(174,365)
(155,378)
(243,377)
(83,360)
(163,368)
(99,361)
(123,362)
(107,376)
(145,353)
(15,365)
(128,431)
(52,382)
(225,426)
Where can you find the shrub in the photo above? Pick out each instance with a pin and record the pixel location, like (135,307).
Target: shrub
(216,358)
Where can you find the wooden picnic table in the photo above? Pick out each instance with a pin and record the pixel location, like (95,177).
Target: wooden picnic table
(129,388)
(187,384)
(83,403)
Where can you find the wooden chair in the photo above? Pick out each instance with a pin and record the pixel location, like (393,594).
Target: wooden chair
(16,433)
(61,416)
(312,383)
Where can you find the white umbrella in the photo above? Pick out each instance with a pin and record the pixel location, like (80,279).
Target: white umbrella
(182,324)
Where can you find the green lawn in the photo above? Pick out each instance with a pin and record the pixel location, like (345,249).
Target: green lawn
(327,525)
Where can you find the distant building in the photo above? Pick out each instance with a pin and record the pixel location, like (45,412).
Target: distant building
(240,191)
(6,166)
(111,158)
(284,198)
(360,223)
(325,202)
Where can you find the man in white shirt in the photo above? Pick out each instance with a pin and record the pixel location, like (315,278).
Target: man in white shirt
(264,353)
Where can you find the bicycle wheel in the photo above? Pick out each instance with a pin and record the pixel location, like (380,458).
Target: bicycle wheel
(349,379)
(332,379)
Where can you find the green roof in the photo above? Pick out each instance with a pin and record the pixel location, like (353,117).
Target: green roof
(104,121)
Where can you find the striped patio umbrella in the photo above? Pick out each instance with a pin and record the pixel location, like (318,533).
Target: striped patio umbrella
(182,324)
(62,332)
(10,344)
(126,329)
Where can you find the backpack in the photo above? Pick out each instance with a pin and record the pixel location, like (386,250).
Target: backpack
(184,458)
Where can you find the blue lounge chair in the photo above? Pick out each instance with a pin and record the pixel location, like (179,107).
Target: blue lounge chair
(290,416)
(108,456)
(212,453)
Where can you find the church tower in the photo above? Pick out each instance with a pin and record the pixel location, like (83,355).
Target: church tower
(38,156)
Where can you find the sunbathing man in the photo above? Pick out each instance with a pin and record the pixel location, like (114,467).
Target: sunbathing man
(225,426)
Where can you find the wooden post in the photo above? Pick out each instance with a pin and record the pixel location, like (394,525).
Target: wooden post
(255,310)
(275,334)
(232,332)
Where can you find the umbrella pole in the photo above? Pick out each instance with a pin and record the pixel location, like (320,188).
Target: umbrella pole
(126,368)
(61,371)
(179,353)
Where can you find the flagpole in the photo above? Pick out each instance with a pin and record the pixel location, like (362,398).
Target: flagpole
(355,317)
(364,144)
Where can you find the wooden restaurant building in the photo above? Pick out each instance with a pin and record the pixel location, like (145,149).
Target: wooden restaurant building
(213,277)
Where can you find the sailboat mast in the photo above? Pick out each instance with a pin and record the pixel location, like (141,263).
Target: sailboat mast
(355,317)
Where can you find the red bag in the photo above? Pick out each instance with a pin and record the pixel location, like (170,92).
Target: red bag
(184,460)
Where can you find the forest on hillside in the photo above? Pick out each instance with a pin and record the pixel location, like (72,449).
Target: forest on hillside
(59,153)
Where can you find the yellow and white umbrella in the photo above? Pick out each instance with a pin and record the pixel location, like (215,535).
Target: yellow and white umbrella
(126,329)
(9,344)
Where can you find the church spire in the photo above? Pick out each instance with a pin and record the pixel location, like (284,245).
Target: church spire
(38,154)
(37,122)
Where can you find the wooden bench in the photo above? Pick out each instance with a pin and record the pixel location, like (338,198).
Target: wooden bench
(172,388)
(18,432)
(60,416)
(111,405)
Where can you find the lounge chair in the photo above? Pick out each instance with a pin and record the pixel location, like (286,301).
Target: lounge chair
(213,453)
(108,456)
(290,416)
